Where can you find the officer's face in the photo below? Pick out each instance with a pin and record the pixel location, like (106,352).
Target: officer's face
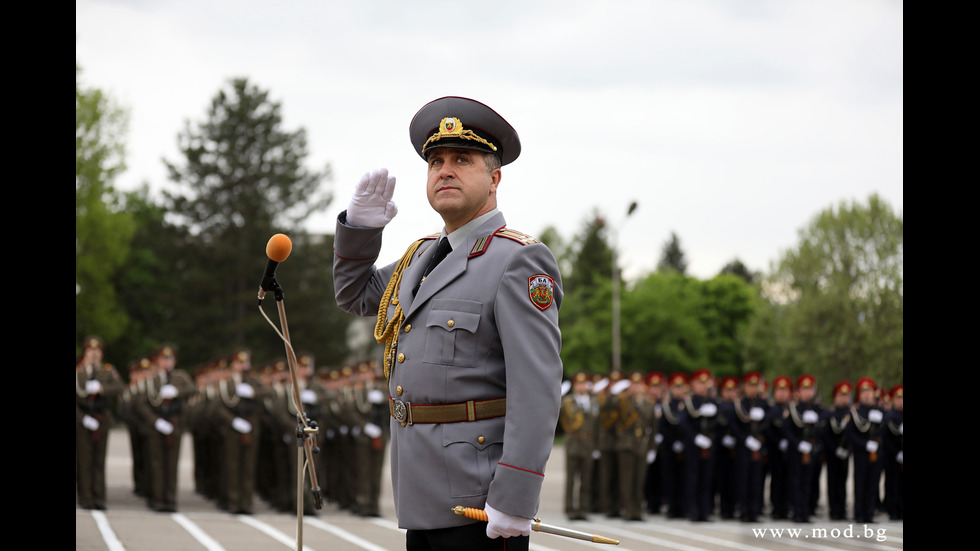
(459,187)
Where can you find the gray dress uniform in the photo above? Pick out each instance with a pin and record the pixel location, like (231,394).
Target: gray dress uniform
(483,328)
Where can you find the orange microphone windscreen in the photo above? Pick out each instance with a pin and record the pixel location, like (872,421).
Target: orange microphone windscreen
(279,247)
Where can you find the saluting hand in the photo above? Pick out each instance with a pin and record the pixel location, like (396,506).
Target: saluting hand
(371,206)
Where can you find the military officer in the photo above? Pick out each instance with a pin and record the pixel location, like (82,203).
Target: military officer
(802,432)
(892,446)
(473,342)
(672,445)
(750,429)
(134,393)
(699,426)
(162,414)
(579,420)
(864,435)
(97,386)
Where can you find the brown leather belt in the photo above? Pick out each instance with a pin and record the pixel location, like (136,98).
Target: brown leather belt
(408,413)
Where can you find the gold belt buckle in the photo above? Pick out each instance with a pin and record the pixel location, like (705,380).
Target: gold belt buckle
(401,411)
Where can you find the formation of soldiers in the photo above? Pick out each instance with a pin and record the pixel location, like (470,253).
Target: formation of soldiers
(243,422)
(691,447)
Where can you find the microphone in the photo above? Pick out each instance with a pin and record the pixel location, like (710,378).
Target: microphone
(277,250)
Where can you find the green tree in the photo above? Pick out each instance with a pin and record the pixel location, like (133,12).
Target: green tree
(737,268)
(838,297)
(242,180)
(102,230)
(672,257)
(728,305)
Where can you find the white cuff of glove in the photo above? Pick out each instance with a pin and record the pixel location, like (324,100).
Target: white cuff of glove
(504,525)
(91,423)
(241,425)
(164,427)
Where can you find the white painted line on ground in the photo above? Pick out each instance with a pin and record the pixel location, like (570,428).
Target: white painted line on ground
(108,536)
(344,535)
(195,531)
(288,541)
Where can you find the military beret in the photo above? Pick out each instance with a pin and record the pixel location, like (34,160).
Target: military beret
(866,383)
(465,124)
(806,381)
(782,382)
(843,387)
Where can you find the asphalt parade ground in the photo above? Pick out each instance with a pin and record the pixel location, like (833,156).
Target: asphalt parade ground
(128,525)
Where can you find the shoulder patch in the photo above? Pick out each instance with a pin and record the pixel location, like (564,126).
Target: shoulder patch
(541,291)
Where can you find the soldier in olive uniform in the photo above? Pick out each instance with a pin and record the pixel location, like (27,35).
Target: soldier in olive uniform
(608,483)
(163,417)
(236,411)
(579,420)
(97,386)
(134,393)
(635,427)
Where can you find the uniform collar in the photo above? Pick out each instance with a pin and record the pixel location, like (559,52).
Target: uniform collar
(458,237)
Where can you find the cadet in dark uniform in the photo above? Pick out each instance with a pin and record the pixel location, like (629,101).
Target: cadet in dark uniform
(97,386)
(750,428)
(672,446)
(468,342)
(699,425)
(579,420)
(802,431)
(892,444)
(725,483)
(652,490)
(837,450)
(864,435)
(782,392)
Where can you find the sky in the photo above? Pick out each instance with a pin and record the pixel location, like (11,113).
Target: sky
(731,123)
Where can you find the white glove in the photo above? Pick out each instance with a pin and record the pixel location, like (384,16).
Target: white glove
(899,458)
(875,416)
(810,416)
(93,387)
(245,390)
(678,446)
(702,441)
(901,429)
(757,414)
(344,430)
(753,443)
(728,441)
(164,427)
(241,425)
(652,456)
(871,446)
(375,396)
(371,206)
(307,396)
(91,423)
(504,525)
(565,387)
(596,454)
(372,430)
(708,409)
(658,439)
(783,445)
(804,447)
(168,392)
(620,386)
(841,453)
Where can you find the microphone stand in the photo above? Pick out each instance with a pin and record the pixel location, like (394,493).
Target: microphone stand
(306,430)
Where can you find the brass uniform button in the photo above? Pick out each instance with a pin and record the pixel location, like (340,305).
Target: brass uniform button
(481,439)
(451,323)
(405,424)
(408,327)
(399,390)
(401,357)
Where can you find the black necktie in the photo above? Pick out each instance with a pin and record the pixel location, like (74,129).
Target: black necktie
(442,250)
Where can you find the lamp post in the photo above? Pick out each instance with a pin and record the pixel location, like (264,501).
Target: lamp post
(617,353)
